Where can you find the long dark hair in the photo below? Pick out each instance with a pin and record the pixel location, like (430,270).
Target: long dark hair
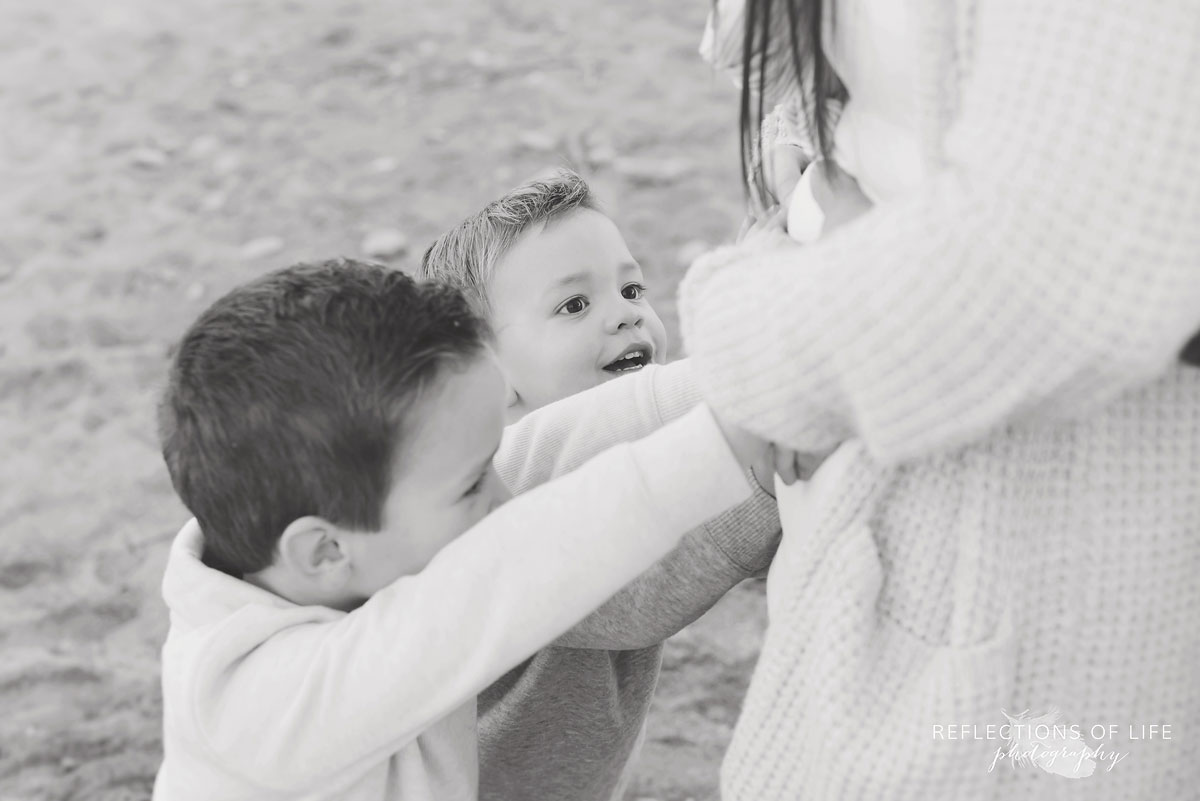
(812,72)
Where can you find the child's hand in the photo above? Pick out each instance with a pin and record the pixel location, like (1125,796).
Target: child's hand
(791,466)
(764,471)
(747,448)
(765,459)
(783,164)
(766,232)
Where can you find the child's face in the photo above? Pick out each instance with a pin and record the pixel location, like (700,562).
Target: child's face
(569,311)
(444,481)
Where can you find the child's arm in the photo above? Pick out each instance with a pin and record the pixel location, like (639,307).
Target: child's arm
(560,437)
(353,691)
(708,562)
(684,584)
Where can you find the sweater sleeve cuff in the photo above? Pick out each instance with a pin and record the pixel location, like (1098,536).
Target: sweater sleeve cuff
(748,534)
(768,404)
(698,275)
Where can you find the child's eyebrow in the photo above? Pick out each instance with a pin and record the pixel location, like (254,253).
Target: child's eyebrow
(573,278)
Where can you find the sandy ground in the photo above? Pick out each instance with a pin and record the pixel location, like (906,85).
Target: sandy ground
(154,154)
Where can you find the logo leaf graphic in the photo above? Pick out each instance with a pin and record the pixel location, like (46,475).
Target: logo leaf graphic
(1056,749)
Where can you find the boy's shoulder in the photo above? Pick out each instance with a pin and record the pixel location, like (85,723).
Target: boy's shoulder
(202,599)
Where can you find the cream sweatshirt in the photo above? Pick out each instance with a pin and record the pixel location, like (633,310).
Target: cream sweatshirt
(264,699)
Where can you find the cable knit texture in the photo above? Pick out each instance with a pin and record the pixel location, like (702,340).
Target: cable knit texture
(1015,521)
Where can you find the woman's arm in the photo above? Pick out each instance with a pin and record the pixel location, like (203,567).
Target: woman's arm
(1053,262)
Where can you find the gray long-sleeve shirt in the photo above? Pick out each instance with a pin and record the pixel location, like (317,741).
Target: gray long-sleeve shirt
(565,723)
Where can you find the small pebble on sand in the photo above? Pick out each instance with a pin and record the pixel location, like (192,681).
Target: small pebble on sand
(383,164)
(645,170)
(148,158)
(538,141)
(385,243)
(261,247)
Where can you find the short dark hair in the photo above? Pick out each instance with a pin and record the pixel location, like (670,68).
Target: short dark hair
(465,255)
(288,398)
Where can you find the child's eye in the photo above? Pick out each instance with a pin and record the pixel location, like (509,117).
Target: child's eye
(633,291)
(574,305)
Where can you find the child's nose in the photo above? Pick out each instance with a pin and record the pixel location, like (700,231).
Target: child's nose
(626,315)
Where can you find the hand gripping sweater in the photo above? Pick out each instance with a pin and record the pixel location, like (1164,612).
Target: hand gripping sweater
(1014,522)
(565,723)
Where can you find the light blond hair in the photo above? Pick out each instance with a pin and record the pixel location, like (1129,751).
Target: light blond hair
(467,254)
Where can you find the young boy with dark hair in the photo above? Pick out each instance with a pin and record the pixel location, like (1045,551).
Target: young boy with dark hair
(350,580)
(568,303)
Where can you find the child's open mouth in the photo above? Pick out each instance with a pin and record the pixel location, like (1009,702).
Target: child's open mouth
(634,358)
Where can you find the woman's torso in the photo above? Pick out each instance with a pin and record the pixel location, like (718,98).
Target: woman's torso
(1051,564)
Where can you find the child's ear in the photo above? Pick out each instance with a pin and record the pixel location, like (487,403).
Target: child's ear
(311,549)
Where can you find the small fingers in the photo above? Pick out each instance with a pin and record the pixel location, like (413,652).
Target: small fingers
(777,218)
(786,464)
(763,476)
(807,464)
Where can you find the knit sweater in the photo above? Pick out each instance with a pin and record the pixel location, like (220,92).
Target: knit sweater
(1014,522)
(565,723)
(267,699)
